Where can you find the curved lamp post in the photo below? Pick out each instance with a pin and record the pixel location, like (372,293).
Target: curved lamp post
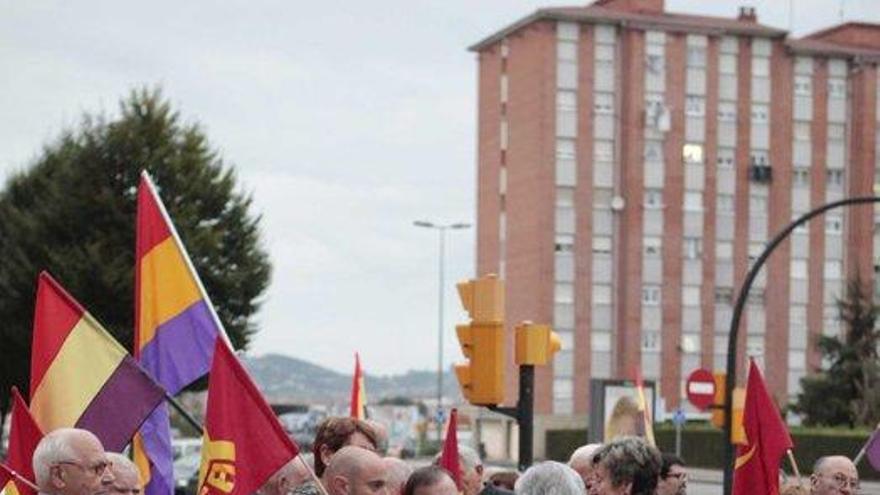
(737,313)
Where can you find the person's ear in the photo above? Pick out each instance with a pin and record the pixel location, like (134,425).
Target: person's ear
(479,470)
(340,484)
(325,454)
(56,477)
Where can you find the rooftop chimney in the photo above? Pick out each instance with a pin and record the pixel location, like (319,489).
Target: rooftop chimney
(748,14)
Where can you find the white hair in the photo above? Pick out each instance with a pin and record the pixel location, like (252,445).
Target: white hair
(119,460)
(550,477)
(54,448)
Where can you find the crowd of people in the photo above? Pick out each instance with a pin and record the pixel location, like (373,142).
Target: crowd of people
(346,460)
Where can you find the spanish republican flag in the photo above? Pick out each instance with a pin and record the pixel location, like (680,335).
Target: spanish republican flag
(358,393)
(81,376)
(449,456)
(24,435)
(244,444)
(175,328)
(757,460)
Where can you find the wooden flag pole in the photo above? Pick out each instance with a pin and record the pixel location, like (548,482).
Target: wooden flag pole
(19,477)
(794,467)
(312,474)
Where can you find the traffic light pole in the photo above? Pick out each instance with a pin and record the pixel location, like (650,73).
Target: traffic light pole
(524,414)
(729,457)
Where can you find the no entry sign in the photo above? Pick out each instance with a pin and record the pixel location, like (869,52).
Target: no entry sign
(701,389)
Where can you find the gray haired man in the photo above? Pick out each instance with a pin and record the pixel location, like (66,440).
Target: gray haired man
(70,461)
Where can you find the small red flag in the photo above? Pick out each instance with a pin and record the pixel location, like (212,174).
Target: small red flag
(358,394)
(24,435)
(449,456)
(767,439)
(244,442)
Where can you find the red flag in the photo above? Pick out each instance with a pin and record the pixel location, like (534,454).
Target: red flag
(449,457)
(646,426)
(767,439)
(24,435)
(358,394)
(244,443)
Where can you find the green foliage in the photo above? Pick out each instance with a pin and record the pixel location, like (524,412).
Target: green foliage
(848,392)
(72,213)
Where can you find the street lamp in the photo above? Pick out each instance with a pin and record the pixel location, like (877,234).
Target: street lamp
(441,230)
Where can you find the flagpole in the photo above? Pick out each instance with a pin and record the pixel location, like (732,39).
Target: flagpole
(183,412)
(19,477)
(794,467)
(312,473)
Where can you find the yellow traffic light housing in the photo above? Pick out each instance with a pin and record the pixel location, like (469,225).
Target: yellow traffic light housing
(482,341)
(738,433)
(536,344)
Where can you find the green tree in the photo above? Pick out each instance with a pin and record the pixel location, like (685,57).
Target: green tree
(72,212)
(848,391)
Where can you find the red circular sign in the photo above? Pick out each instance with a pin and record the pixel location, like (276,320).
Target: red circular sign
(701,389)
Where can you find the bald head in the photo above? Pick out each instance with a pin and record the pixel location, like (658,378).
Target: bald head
(70,461)
(291,475)
(355,471)
(834,474)
(396,472)
(127,477)
(582,461)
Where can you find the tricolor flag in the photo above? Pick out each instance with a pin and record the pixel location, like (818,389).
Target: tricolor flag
(646,421)
(449,456)
(175,328)
(244,443)
(81,376)
(358,392)
(756,471)
(24,435)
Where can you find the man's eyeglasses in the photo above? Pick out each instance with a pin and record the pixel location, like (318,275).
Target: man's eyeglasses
(843,481)
(97,469)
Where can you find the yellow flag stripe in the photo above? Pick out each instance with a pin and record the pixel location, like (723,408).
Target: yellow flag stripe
(86,360)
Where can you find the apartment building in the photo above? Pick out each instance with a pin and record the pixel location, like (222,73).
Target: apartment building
(632,164)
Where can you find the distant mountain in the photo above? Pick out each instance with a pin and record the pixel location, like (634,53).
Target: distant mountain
(289,379)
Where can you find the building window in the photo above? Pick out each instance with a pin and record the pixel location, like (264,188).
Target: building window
(690,295)
(693,201)
(833,225)
(800,176)
(653,198)
(724,250)
(601,245)
(651,295)
(833,269)
(653,151)
(803,85)
(724,295)
(725,203)
(696,56)
(727,112)
(693,247)
(564,243)
(564,293)
(834,177)
(650,341)
(652,246)
(726,157)
(760,114)
(692,153)
(601,294)
(695,106)
(603,151)
(837,88)
(799,269)
(603,103)
(759,158)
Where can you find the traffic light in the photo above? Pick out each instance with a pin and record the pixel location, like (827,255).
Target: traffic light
(535,344)
(482,341)
(738,434)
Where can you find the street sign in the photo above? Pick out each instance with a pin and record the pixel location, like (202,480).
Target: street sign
(701,388)
(679,418)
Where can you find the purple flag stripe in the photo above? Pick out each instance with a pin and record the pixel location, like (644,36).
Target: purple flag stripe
(156,434)
(182,349)
(122,404)
(873,450)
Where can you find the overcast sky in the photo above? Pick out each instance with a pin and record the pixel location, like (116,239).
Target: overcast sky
(346,120)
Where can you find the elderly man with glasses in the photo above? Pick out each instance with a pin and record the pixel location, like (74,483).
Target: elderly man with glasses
(673,476)
(70,461)
(834,475)
(126,476)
